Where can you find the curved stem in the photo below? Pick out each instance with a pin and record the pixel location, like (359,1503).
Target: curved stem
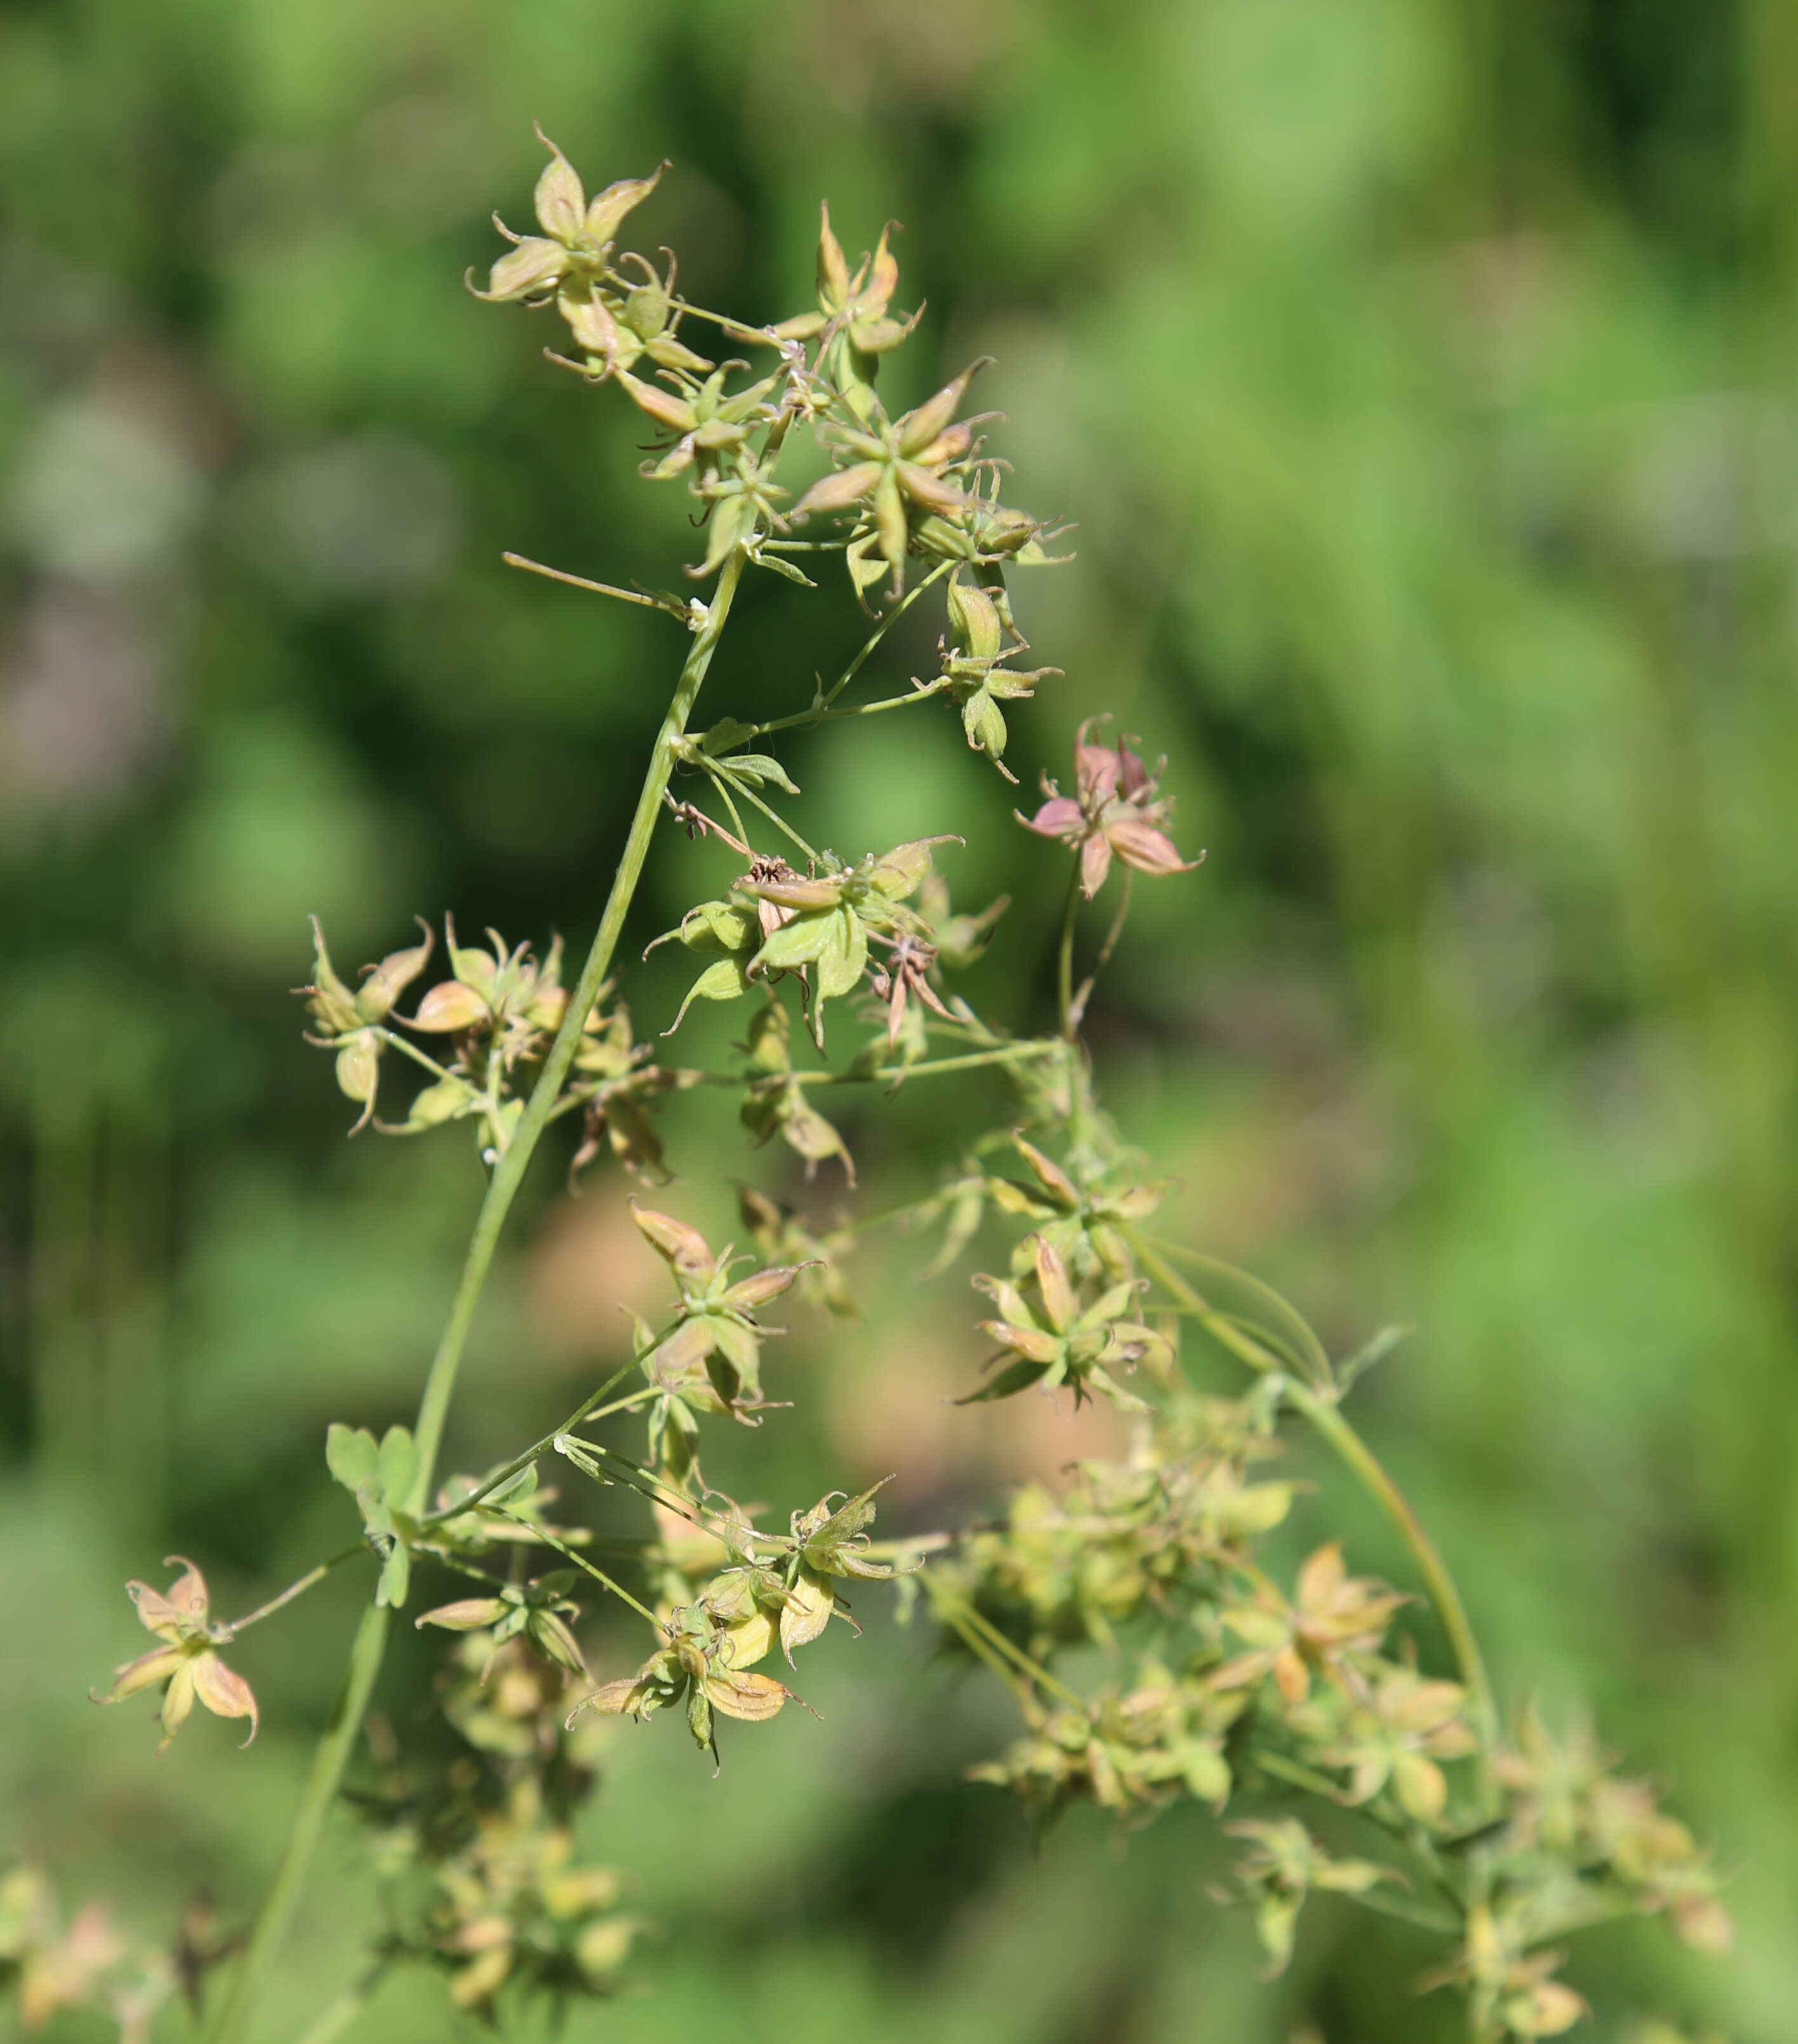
(1320,1410)
(335,1745)
(1353,1452)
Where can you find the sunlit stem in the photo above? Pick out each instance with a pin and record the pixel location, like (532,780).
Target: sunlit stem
(1320,1410)
(332,1753)
(508,1173)
(623,1404)
(805,717)
(407,1049)
(635,596)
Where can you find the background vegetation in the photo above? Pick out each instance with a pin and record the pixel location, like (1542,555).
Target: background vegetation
(1420,377)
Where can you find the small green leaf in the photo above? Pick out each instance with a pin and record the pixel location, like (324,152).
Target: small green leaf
(350,1455)
(1016,1377)
(399,1464)
(725,980)
(727,732)
(782,566)
(755,768)
(842,961)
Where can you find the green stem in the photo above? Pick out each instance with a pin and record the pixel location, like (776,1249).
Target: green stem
(1064,965)
(407,1049)
(928,1067)
(805,718)
(1320,1409)
(1353,1452)
(755,801)
(507,1471)
(329,1758)
(331,1755)
(509,1173)
(963,1614)
(821,707)
(581,1561)
(298,1589)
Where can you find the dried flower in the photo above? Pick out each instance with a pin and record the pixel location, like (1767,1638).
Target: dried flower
(1115,807)
(187,1662)
(577,236)
(899,464)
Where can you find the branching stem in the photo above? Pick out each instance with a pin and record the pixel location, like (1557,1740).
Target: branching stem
(338,1739)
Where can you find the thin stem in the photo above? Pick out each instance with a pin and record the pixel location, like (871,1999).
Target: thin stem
(622,1404)
(1326,1790)
(329,1758)
(1077,1009)
(1320,1409)
(407,1049)
(1025,1665)
(821,707)
(298,1589)
(750,796)
(1064,964)
(597,588)
(919,1543)
(581,1561)
(720,783)
(807,717)
(931,1067)
(1355,1454)
(955,1616)
(507,1471)
(509,1172)
(332,1753)
(1307,1354)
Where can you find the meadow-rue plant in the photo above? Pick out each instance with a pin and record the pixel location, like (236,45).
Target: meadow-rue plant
(1152,1651)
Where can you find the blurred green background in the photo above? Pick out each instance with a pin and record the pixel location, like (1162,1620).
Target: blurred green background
(1419,376)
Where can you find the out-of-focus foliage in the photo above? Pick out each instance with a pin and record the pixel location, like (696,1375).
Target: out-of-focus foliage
(1419,379)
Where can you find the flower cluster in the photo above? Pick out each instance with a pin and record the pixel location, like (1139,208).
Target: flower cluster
(1156,1650)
